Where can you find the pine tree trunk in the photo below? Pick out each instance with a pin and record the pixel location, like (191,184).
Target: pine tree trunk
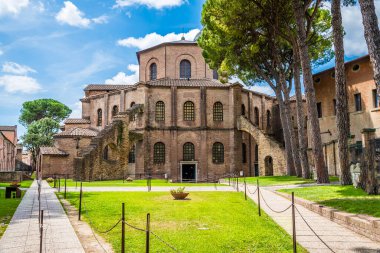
(316,141)
(372,37)
(342,116)
(302,135)
(290,170)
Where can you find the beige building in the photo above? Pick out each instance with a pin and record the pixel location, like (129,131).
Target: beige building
(8,148)
(364,109)
(194,127)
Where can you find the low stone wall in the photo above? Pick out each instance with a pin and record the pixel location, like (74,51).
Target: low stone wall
(362,224)
(10,176)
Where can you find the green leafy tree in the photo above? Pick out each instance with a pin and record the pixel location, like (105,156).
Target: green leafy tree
(43,108)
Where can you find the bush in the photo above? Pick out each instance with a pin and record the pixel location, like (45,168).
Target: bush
(179,190)
(50,180)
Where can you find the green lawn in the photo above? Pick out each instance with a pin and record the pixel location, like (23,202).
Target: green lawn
(280,180)
(24,184)
(345,198)
(209,222)
(135,183)
(7,208)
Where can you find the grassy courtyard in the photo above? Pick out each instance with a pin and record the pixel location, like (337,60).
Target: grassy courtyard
(134,183)
(7,208)
(344,198)
(281,180)
(209,222)
(24,184)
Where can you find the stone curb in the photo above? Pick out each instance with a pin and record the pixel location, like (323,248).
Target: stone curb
(365,225)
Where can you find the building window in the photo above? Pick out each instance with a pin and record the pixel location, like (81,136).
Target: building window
(334,104)
(132,154)
(106,153)
(188,111)
(257,116)
(159,153)
(115,110)
(305,121)
(244,153)
(218,111)
(376,100)
(356,68)
(358,102)
(153,71)
(160,111)
(185,69)
(100,117)
(218,153)
(188,151)
(319,109)
(133,118)
(242,109)
(215,74)
(268,119)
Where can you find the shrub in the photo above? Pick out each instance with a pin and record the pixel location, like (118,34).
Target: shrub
(50,180)
(178,190)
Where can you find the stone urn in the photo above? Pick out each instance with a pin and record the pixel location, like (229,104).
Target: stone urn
(179,194)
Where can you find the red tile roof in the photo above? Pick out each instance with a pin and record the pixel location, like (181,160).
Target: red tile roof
(77,131)
(77,121)
(52,151)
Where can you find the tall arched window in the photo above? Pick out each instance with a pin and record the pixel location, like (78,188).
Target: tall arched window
(218,153)
(188,151)
(188,111)
(133,118)
(244,152)
(132,154)
(159,153)
(218,111)
(115,110)
(257,116)
(268,119)
(153,71)
(185,69)
(100,118)
(160,111)
(242,109)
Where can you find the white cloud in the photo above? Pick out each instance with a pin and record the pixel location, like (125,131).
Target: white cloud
(76,110)
(156,4)
(123,78)
(1,52)
(12,7)
(18,69)
(71,15)
(153,39)
(24,84)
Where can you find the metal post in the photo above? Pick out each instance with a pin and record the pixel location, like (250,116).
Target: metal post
(59,184)
(245,189)
(55,181)
(76,183)
(237,184)
(122,228)
(80,201)
(229,181)
(294,225)
(65,185)
(258,197)
(41,229)
(147,232)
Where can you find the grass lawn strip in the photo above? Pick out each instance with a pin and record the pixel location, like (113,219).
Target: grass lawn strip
(344,198)
(24,184)
(209,222)
(7,209)
(281,180)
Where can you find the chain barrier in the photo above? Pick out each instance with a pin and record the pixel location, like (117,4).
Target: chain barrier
(136,228)
(262,197)
(249,191)
(312,230)
(164,242)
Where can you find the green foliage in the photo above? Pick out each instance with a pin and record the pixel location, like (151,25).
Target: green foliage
(282,180)
(178,190)
(43,108)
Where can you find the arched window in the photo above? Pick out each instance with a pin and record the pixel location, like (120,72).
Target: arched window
(159,153)
(268,119)
(188,151)
(185,69)
(257,116)
(115,110)
(106,153)
(242,109)
(188,111)
(153,71)
(218,153)
(244,152)
(132,154)
(100,118)
(160,111)
(218,111)
(133,118)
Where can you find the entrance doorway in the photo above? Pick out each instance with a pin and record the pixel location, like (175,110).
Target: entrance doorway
(189,172)
(268,166)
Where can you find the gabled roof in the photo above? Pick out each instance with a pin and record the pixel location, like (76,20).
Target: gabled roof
(76,121)
(106,87)
(8,128)
(77,131)
(52,151)
(188,83)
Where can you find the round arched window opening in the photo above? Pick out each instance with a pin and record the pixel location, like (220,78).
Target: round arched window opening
(317,80)
(333,74)
(356,68)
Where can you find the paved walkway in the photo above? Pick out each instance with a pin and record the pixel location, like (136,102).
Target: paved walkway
(22,234)
(338,238)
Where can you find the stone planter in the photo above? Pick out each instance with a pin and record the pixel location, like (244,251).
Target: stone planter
(179,195)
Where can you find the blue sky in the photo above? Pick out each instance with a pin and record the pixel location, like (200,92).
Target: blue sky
(53,48)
